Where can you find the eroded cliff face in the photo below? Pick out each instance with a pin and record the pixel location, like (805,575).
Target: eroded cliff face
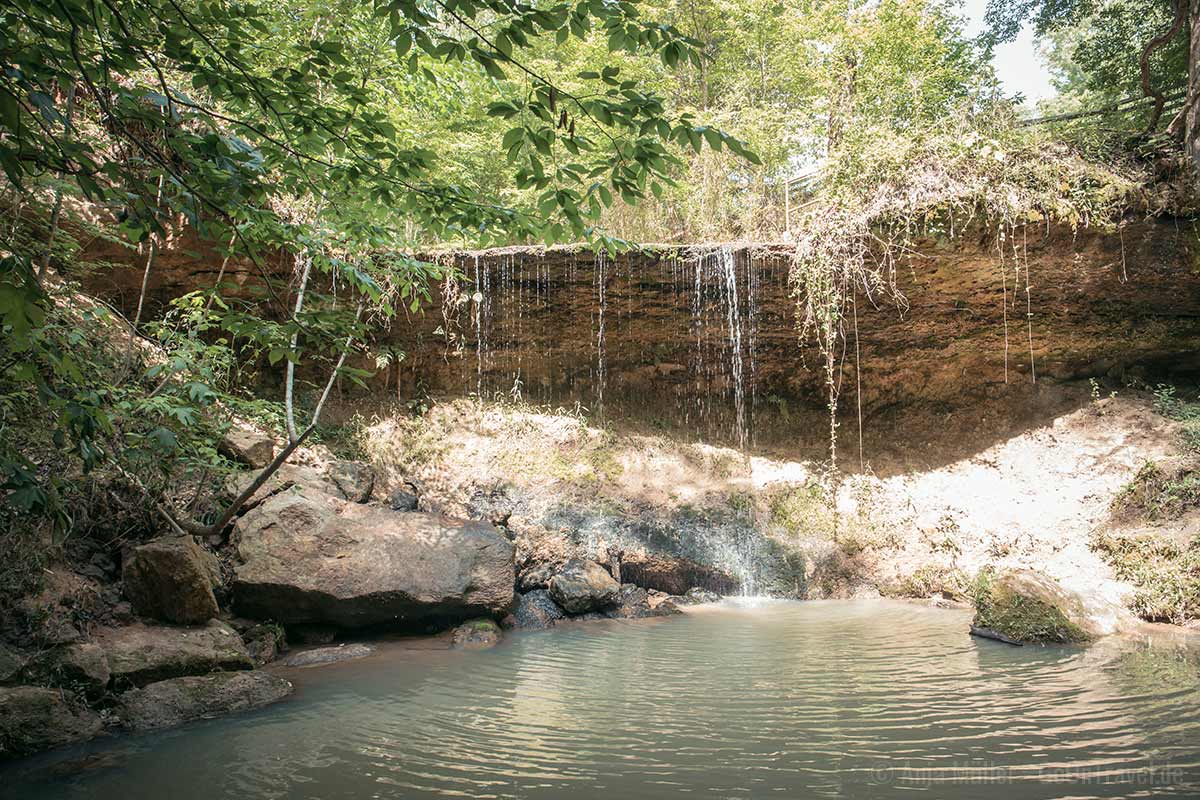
(702,341)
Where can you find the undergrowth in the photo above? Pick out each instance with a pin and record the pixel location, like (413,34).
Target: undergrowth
(883,192)
(1159,492)
(1164,572)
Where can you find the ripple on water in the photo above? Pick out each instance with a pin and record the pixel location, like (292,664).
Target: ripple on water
(744,699)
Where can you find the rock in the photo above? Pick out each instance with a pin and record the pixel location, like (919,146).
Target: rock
(697,595)
(141,654)
(252,448)
(172,578)
(78,667)
(322,561)
(476,634)
(353,479)
(328,655)
(402,500)
(264,643)
(34,718)
(536,610)
(12,661)
(633,602)
(493,505)
(988,633)
(294,478)
(536,577)
(582,586)
(172,702)
(1024,606)
(671,574)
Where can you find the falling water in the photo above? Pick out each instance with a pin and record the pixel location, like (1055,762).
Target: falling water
(678,333)
(733,317)
(601,284)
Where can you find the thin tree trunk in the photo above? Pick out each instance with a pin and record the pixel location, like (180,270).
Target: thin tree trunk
(289,389)
(1191,135)
(56,212)
(1160,99)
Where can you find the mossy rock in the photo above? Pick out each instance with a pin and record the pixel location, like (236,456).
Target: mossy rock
(1027,607)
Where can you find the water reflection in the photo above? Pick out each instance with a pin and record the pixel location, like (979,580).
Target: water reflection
(824,699)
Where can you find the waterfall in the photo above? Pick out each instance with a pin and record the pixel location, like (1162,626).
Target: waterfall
(601,284)
(733,318)
(477,302)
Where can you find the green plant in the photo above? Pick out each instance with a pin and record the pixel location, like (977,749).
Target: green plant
(1158,492)
(1164,571)
(1168,403)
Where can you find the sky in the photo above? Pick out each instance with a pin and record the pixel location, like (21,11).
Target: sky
(1018,64)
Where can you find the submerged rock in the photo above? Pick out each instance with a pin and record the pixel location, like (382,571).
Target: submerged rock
(34,718)
(328,655)
(581,586)
(172,702)
(476,634)
(249,447)
(319,560)
(1024,606)
(536,610)
(141,654)
(353,479)
(172,578)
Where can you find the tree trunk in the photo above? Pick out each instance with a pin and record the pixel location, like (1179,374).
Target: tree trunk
(1191,135)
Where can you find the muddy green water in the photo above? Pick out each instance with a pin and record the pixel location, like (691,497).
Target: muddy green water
(793,700)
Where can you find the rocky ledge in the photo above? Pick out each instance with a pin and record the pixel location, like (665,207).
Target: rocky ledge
(174,630)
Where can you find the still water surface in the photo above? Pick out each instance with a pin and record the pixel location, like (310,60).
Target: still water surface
(859,699)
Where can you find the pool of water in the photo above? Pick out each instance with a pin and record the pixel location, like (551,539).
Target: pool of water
(857,699)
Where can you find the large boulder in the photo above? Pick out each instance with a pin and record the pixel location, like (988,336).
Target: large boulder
(79,667)
(353,479)
(33,718)
(142,654)
(536,610)
(172,702)
(581,586)
(12,661)
(1023,606)
(250,447)
(316,559)
(172,578)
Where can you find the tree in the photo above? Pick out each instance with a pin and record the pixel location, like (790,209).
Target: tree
(279,128)
(1111,49)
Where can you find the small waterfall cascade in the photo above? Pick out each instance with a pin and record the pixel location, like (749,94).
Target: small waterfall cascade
(670,337)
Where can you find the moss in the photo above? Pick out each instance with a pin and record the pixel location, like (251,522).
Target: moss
(1021,618)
